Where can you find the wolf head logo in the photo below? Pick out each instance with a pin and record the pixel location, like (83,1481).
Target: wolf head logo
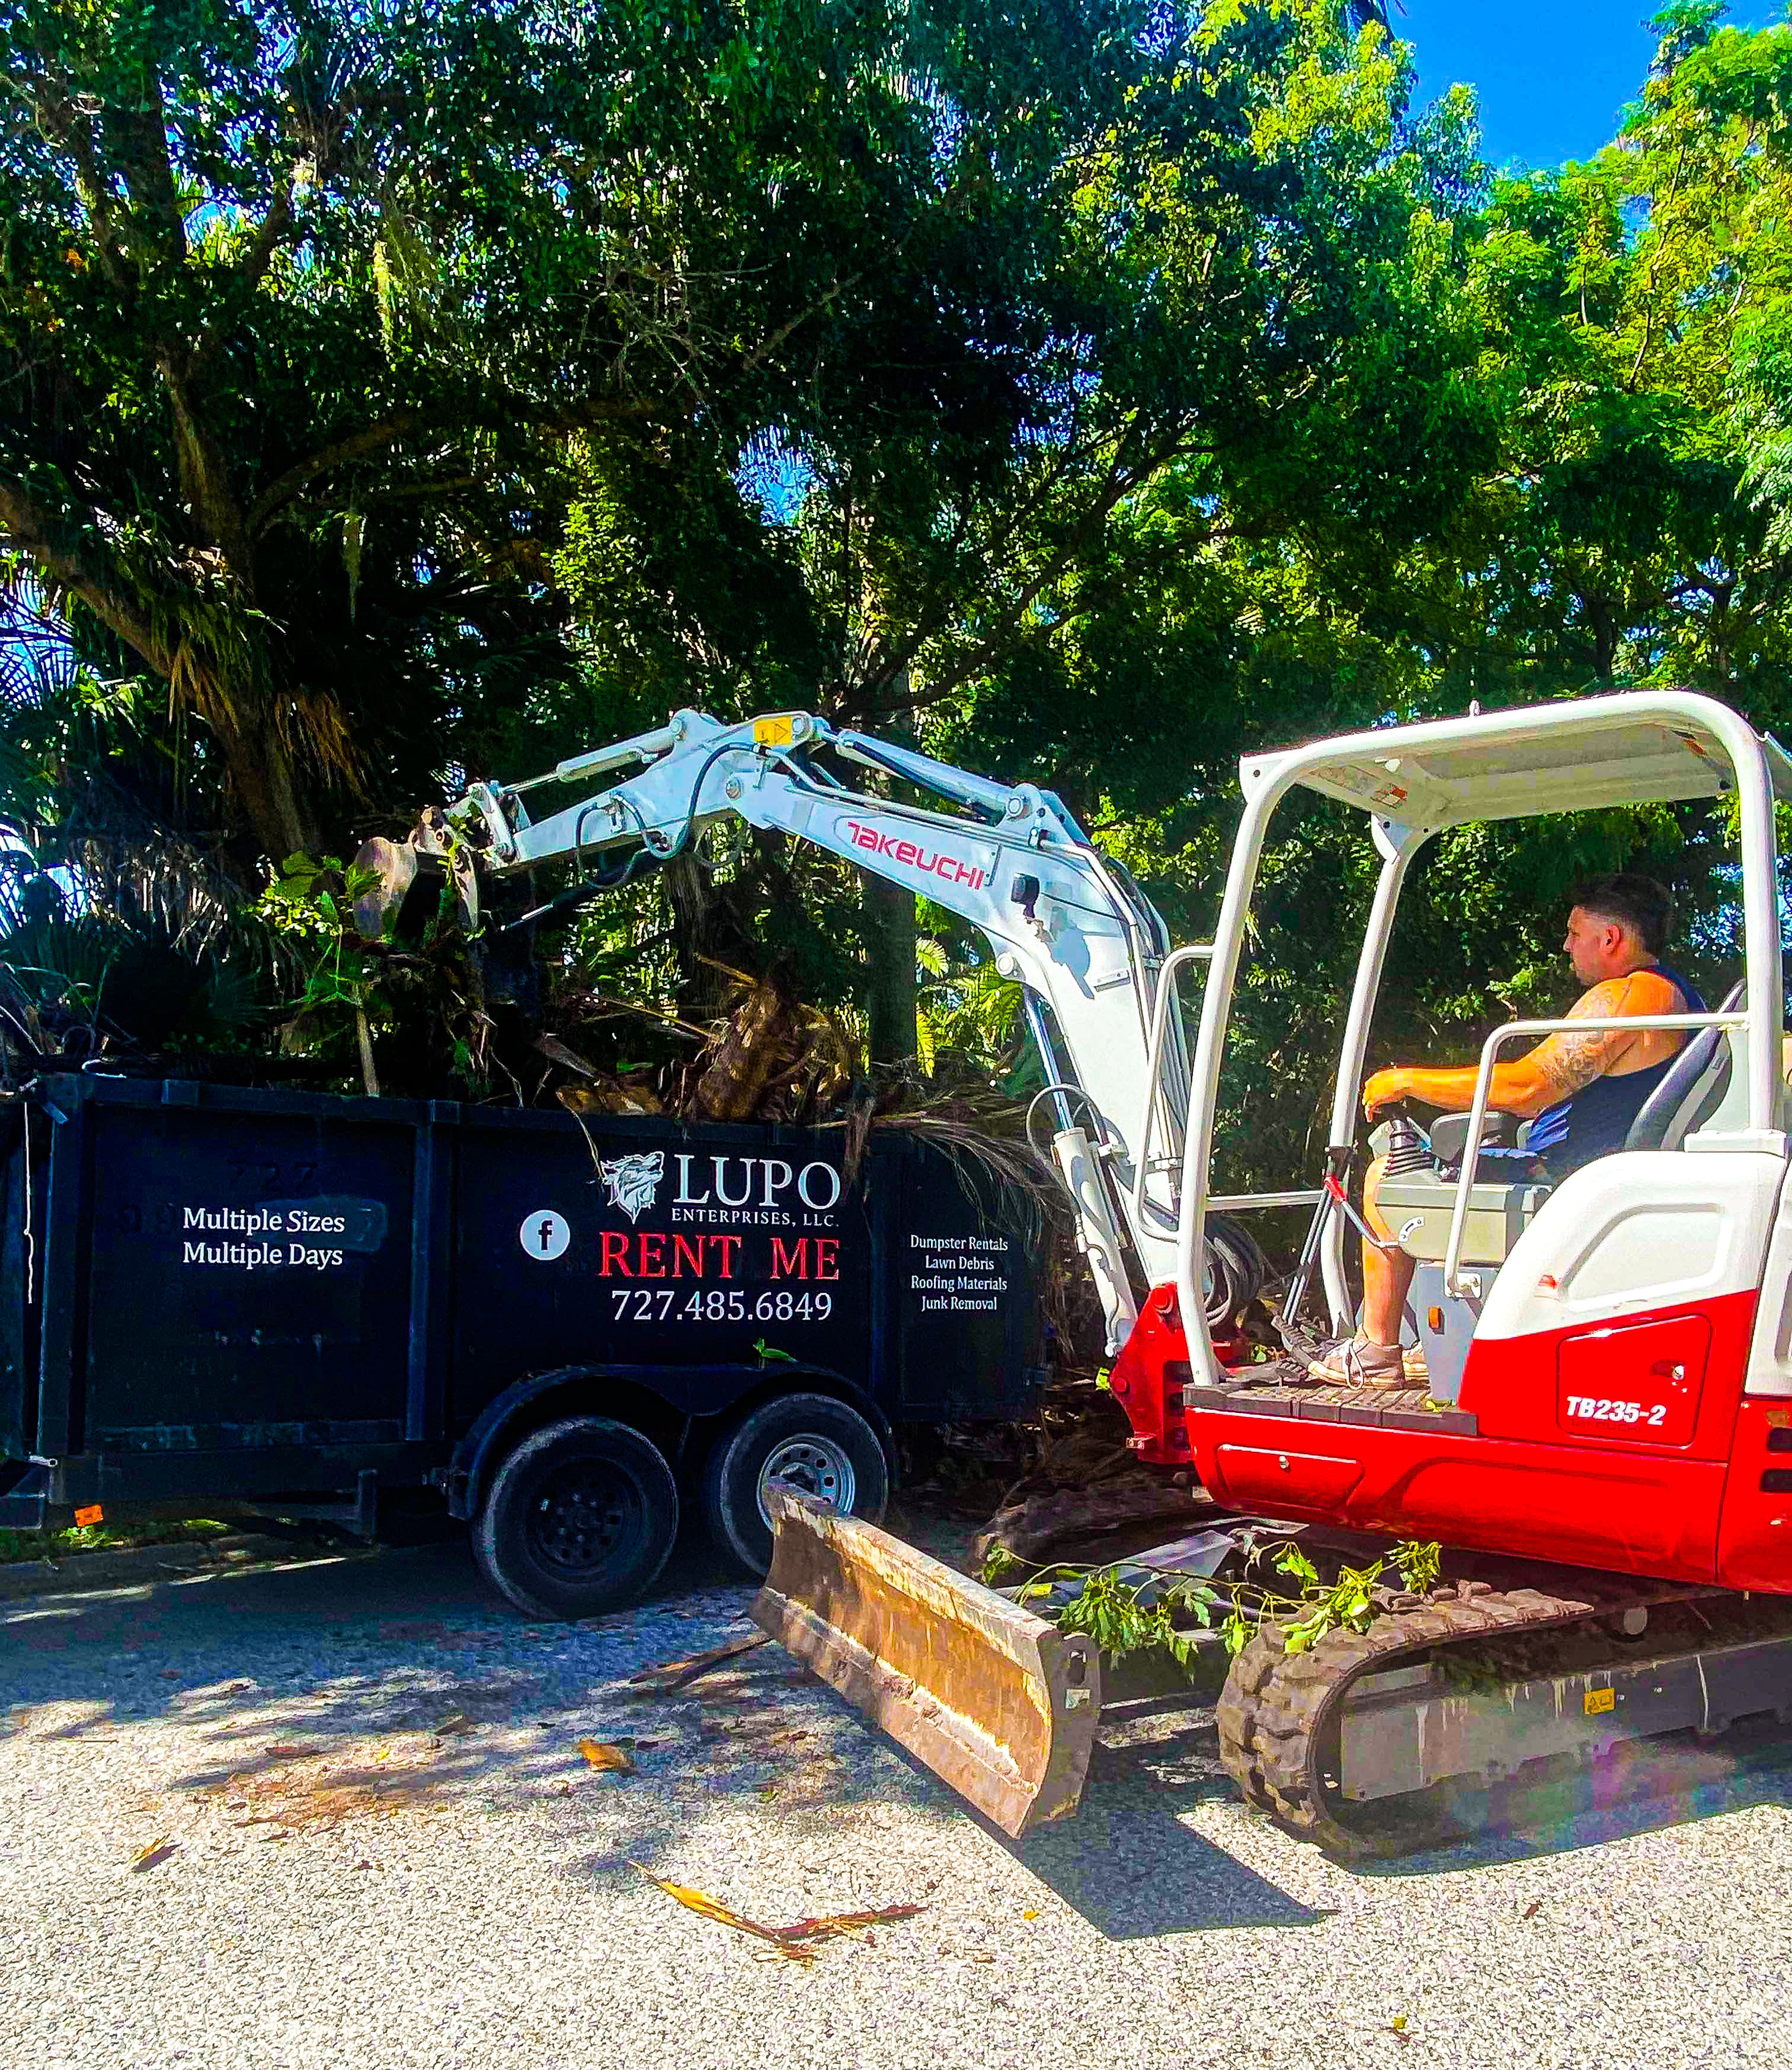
(630,1183)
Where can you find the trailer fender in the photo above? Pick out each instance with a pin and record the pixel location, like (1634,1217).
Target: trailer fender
(665,1401)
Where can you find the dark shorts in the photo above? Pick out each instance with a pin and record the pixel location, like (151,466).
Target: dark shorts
(1502,1165)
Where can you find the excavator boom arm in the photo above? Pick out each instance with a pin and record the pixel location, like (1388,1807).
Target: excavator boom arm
(1064,922)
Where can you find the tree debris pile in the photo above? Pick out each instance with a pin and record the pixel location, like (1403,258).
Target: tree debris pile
(773,1057)
(769,1057)
(1064,1479)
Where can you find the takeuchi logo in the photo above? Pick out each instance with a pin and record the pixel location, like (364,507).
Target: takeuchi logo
(631,1182)
(934,862)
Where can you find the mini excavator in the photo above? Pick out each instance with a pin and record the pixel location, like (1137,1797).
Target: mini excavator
(1603,1446)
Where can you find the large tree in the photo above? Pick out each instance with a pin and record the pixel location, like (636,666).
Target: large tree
(314,317)
(1211,302)
(396,395)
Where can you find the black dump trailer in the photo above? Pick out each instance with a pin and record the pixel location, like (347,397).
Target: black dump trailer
(563,1330)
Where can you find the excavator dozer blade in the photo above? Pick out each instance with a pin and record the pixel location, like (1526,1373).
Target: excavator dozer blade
(998,1703)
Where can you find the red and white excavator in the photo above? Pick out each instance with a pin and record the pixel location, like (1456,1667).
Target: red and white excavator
(1603,1447)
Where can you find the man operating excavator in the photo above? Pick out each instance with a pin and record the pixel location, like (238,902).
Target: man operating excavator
(1580,1092)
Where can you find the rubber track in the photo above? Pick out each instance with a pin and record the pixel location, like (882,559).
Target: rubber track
(1274,1712)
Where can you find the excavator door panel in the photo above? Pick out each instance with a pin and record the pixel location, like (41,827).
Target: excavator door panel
(1250,1475)
(1633,1382)
(1621,1320)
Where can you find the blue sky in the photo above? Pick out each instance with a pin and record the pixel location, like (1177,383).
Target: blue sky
(1551,78)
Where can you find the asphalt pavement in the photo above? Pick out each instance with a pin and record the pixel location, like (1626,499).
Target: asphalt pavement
(336,1813)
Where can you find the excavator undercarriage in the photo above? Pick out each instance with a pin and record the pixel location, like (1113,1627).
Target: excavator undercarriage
(1355,1744)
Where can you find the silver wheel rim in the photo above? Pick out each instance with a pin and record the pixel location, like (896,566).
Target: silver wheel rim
(817,1466)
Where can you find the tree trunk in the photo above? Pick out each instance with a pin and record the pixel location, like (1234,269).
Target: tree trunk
(266,783)
(705,924)
(1602,617)
(890,933)
(890,940)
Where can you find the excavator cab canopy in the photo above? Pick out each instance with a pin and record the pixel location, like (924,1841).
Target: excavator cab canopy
(1567,759)
(1415,781)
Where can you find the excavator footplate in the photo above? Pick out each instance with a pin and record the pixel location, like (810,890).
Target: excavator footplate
(995,1701)
(1385,1408)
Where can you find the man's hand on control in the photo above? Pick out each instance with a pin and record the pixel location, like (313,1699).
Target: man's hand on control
(1385,1089)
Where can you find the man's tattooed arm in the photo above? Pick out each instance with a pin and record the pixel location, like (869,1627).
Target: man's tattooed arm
(1569,1062)
(1572,1062)
(1556,1069)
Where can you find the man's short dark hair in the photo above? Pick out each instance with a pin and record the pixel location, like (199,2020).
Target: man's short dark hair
(1646,907)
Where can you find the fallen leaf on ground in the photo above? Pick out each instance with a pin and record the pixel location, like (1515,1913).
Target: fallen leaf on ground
(1533,1908)
(847,1922)
(788,1940)
(710,1908)
(604,1756)
(315,1789)
(158,1850)
(670,1676)
(1029,1915)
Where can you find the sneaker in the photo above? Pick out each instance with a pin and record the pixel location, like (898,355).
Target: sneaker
(1355,1362)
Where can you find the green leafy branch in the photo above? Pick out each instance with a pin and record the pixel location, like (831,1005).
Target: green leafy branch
(1110,1614)
(425,984)
(1111,1610)
(311,902)
(1320,1606)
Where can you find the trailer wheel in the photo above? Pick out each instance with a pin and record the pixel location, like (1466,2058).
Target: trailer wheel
(812,1441)
(579,1518)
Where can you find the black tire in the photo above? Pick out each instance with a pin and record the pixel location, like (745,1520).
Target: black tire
(808,1439)
(578,1519)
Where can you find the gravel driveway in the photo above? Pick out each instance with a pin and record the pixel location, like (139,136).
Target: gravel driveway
(384,1848)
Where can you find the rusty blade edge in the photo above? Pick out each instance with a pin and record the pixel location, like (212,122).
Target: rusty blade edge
(846,1667)
(961,1729)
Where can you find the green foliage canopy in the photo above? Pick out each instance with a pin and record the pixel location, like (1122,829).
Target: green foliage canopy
(398,392)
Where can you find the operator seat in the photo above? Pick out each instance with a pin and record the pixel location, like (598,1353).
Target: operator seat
(1694,1088)
(1701,1085)
(1448,1135)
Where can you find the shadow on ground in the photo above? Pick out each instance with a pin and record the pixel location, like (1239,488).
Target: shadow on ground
(1134,1866)
(366,1684)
